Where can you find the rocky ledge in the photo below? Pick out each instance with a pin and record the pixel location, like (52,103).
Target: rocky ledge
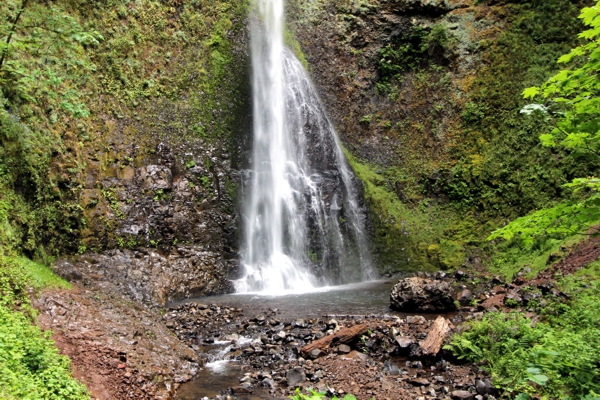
(149,275)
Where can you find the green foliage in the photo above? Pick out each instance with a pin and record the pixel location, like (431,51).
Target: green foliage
(314,395)
(502,171)
(527,242)
(574,93)
(411,51)
(563,220)
(406,54)
(561,355)
(40,52)
(30,366)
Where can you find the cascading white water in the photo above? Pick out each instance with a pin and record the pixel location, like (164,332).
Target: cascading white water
(303,226)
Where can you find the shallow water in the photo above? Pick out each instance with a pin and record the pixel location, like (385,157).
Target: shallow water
(364,299)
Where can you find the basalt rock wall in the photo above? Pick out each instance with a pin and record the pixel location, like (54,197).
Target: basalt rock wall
(160,172)
(425,96)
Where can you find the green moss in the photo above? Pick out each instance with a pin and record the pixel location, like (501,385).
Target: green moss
(501,167)
(294,45)
(427,236)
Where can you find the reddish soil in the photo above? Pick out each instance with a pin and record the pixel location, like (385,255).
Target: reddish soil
(101,369)
(118,348)
(579,257)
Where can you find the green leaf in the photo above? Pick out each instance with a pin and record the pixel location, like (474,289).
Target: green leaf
(531,92)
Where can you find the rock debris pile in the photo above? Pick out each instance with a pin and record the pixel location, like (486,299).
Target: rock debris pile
(385,359)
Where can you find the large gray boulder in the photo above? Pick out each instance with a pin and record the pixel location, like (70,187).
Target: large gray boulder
(422,295)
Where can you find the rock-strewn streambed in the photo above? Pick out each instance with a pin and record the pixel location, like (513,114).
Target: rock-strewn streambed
(125,348)
(385,362)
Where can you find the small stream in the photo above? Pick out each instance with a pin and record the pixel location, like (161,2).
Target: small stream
(368,299)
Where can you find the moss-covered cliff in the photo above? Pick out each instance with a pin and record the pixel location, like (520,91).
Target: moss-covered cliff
(124,132)
(426,98)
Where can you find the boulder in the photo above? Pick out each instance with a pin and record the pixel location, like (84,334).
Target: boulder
(419,294)
(465,297)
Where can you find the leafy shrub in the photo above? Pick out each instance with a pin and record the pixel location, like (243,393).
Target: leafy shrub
(30,366)
(561,356)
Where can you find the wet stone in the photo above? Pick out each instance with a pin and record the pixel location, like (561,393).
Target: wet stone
(344,349)
(419,382)
(391,368)
(462,395)
(316,353)
(295,376)
(484,386)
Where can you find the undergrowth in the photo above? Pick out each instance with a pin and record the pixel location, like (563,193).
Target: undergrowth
(30,365)
(528,242)
(556,358)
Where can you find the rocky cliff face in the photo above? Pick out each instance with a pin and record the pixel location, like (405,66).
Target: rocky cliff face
(160,169)
(425,95)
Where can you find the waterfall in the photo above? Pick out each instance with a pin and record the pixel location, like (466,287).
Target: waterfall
(303,226)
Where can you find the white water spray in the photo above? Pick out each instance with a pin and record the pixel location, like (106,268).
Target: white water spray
(303,226)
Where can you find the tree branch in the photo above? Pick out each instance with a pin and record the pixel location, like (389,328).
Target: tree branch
(12,31)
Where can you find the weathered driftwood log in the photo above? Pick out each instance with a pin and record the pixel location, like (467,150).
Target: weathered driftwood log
(435,337)
(343,336)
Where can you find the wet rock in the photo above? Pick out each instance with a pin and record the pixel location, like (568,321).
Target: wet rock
(462,395)
(419,382)
(267,382)
(356,355)
(404,341)
(418,294)
(300,323)
(240,390)
(391,368)
(316,353)
(295,376)
(513,298)
(154,279)
(484,386)
(415,319)
(344,349)
(155,177)
(465,297)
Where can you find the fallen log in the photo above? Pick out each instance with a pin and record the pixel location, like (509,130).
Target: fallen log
(343,336)
(435,337)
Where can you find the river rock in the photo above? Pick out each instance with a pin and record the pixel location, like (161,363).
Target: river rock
(462,395)
(404,341)
(419,294)
(391,368)
(484,386)
(464,297)
(344,349)
(295,376)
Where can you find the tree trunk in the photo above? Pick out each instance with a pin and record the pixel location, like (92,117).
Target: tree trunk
(435,338)
(343,336)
